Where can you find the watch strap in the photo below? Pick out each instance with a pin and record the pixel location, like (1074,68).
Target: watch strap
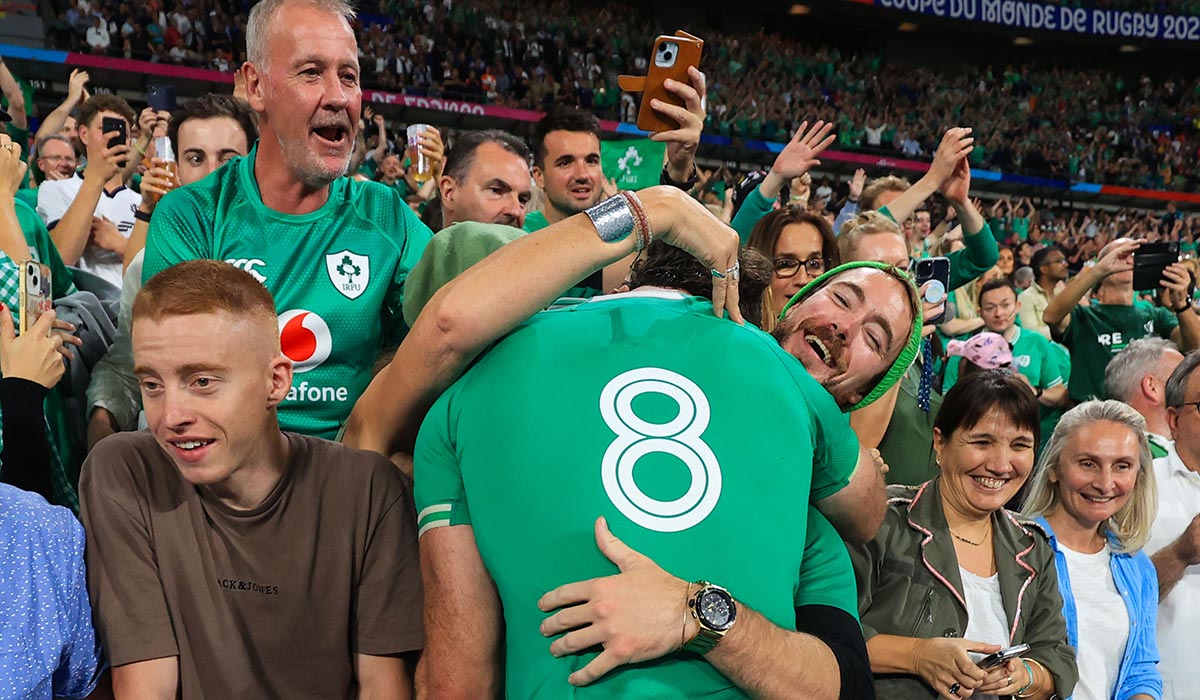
(686,185)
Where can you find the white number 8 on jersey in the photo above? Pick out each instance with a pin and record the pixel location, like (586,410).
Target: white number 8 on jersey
(681,437)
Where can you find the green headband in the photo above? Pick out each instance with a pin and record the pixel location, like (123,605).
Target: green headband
(907,355)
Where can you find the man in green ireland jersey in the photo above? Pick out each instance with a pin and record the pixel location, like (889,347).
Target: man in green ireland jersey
(334,252)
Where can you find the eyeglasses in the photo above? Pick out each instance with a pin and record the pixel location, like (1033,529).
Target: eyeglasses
(788,267)
(1189,403)
(58,159)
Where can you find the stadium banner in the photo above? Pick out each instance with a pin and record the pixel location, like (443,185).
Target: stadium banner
(634,164)
(45,56)
(446,105)
(1022,14)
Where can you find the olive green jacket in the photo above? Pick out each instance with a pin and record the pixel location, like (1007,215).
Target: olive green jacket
(909,585)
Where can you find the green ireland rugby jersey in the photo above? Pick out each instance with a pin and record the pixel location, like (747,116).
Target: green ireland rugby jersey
(701,441)
(1098,332)
(337,275)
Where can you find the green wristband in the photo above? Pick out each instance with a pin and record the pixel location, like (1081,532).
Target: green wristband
(1029,670)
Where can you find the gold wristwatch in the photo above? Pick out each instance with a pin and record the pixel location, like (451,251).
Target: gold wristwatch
(715,611)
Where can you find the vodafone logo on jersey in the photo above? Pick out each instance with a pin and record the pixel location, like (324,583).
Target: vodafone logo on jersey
(305,339)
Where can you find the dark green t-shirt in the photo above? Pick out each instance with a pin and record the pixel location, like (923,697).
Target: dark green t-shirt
(1099,331)
(907,446)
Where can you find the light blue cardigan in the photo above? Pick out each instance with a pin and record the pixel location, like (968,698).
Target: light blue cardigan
(1137,583)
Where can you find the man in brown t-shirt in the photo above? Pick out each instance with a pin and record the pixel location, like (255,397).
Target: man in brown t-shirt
(227,559)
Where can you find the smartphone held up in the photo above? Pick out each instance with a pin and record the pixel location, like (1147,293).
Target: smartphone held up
(34,295)
(671,58)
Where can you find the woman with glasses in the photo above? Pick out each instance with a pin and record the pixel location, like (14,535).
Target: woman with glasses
(801,247)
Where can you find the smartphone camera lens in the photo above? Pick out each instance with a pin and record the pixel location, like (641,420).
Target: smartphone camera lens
(667,55)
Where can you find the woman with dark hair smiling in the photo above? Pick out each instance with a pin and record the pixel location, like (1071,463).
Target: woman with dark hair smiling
(801,247)
(952,576)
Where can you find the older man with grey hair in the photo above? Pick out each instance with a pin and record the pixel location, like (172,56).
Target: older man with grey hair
(335,253)
(1174,544)
(1138,376)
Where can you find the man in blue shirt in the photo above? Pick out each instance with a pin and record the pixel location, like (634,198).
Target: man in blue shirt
(48,648)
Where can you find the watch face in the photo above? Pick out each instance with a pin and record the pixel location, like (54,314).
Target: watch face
(716,609)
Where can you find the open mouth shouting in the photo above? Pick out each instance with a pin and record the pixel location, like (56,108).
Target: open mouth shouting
(332,136)
(824,346)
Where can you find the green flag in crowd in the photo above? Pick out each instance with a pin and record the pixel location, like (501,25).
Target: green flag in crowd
(635,164)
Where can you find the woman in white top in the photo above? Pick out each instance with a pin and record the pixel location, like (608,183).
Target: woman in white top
(1094,492)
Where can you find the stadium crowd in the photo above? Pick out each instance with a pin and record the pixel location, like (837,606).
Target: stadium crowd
(315,411)
(1080,125)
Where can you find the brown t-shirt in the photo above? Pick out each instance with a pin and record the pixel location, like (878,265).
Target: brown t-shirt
(272,602)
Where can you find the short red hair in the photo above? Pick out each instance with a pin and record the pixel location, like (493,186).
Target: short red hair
(203,286)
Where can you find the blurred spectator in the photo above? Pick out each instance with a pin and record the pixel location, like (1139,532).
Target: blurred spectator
(1094,493)
(56,157)
(800,246)
(486,179)
(927,622)
(90,216)
(1096,332)
(205,133)
(1174,544)
(1138,376)
(1032,358)
(46,616)
(1049,276)
(566,166)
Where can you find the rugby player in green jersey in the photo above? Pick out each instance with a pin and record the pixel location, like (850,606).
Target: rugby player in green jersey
(847,332)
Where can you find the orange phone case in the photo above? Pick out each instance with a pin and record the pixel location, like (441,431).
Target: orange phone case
(651,86)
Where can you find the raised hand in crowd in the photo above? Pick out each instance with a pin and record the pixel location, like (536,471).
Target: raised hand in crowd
(1118,258)
(682,141)
(797,157)
(77,93)
(1173,560)
(12,171)
(1177,280)
(113,160)
(857,183)
(944,172)
(430,144)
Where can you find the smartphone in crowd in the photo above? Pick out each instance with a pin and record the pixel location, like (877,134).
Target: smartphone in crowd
(670,58)
(161,98)
(34,295)
(111,124)
(936,270)
(1149,261)
(993,660)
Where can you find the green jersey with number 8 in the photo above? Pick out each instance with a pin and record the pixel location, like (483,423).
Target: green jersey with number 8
(701,441)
